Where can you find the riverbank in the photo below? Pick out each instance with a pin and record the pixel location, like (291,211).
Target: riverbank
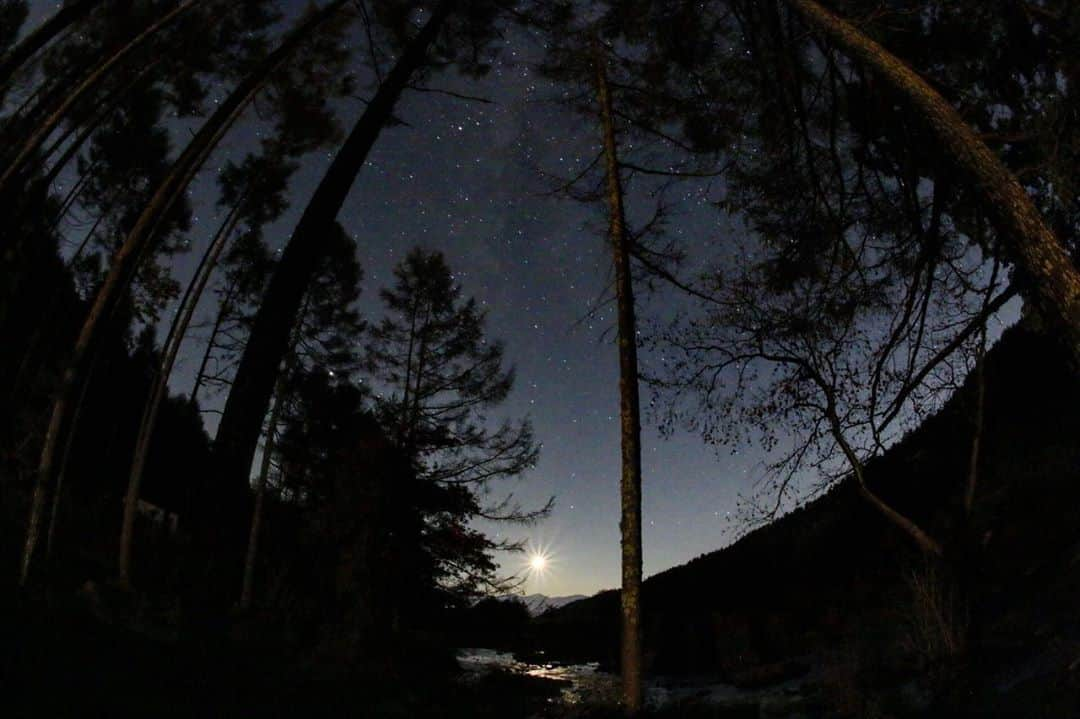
(60,660)
(826,692)
(587,692)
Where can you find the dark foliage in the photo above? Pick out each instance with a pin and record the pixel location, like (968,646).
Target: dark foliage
(827,581)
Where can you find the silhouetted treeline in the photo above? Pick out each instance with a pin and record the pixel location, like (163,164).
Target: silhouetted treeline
(204,436)
(830,585)
(334,515)
(358,549)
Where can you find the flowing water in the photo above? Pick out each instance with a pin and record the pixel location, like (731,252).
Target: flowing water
(586,684)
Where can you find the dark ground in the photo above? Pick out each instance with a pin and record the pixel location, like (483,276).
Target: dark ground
(59,661)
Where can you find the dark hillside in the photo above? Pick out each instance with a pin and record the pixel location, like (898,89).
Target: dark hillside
(832,578)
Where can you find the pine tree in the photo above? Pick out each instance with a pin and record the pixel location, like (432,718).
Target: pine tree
(28,148)
(126,261)
(442,375)
(438,376)
(61,20)
(324,343)
(254,193)
(249,398)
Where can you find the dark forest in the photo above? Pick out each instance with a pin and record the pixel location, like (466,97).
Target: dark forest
(387,357)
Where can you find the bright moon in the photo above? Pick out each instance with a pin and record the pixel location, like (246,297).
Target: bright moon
(537,561)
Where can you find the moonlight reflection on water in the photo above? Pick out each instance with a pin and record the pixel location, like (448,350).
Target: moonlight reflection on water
(587,684)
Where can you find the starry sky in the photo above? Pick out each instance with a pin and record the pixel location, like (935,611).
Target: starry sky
(473,180)
(470,179)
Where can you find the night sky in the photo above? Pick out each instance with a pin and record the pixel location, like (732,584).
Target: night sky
(469,179)
(473,180)
(466,180)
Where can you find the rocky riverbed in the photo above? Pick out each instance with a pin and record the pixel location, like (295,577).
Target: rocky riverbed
(584,687)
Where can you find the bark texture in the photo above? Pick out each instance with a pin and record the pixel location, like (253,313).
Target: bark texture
(629,404)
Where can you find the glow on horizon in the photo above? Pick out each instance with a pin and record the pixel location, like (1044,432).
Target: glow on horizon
(538,563)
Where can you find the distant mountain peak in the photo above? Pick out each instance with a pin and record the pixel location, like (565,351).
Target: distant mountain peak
(537,604)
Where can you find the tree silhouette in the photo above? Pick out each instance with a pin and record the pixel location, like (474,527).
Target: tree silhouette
(126,260)
(439,377)
(17,55)
(249,397)
(629,404)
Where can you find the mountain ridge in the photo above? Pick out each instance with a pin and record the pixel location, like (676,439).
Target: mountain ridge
(538,603)
(832,583)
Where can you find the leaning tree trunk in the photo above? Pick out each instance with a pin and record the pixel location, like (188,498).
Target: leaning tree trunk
(1029,241)
(57,498)
(160,387)
(126,260)
(29,147)
(62,19)
(247,586)
(82,128)
(629,407)
(246,406)
(92,124)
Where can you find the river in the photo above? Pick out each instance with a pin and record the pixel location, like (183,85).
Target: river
(586,684)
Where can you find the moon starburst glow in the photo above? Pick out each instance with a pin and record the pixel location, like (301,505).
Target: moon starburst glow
(538,561)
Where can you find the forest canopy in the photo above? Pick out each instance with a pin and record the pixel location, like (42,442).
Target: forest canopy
(811,221)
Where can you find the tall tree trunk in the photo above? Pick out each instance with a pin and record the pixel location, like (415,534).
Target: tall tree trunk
(211,342)
(63,18)
(405,404)
(250,557)
(69,199)
(1028,240)
(280,391)
(413,413)
(12,119)
(160,387)
(28,149)
(245,408)
(68,442)
(126,260)
(629,407)
(92,124)
(32,111)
